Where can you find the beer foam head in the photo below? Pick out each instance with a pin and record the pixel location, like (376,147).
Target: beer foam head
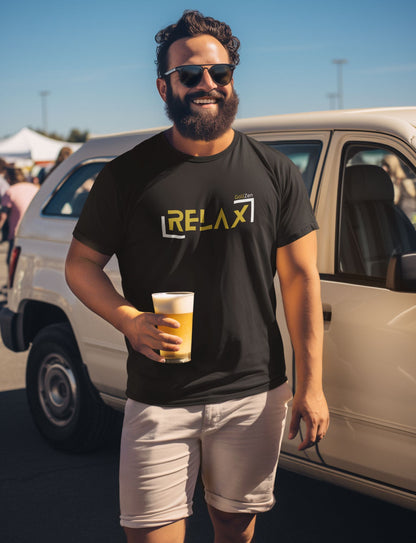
(173,302)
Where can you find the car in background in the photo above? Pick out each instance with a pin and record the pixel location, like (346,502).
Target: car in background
(359,167)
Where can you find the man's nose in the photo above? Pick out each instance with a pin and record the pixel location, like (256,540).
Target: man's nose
(206,81)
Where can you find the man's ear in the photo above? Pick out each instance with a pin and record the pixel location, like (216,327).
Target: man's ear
(161,87)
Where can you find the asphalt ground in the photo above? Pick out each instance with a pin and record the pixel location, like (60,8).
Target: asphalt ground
(49,496)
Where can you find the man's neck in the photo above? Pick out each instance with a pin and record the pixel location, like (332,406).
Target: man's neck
(199,147)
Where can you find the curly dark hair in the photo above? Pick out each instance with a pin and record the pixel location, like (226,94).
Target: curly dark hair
(193,23)
(14,175)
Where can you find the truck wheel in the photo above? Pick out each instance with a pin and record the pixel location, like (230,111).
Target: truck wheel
(65,406)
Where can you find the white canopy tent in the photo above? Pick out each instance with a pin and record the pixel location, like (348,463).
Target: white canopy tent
(27,146)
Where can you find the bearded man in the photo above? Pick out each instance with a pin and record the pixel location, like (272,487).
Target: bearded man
(203,208)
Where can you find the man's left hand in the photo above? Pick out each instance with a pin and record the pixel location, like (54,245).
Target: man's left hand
(313,409)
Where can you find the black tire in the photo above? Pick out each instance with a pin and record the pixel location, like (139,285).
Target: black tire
(65,406)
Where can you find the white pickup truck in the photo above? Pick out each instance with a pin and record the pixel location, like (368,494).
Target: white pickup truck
(359,167)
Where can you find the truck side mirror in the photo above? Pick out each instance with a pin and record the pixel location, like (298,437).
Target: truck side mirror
(401,273)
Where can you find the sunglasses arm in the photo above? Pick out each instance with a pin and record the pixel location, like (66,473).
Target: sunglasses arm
(170,72)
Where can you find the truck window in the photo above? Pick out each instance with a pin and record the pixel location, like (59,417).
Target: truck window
(304,154)
(69,198)
(378,210)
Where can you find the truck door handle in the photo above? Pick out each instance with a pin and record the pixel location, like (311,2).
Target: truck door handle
(327,311)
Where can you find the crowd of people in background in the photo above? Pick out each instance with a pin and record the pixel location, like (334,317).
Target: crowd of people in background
(17,189)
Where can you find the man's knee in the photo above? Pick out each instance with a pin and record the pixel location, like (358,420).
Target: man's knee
(171,533)
(232,527)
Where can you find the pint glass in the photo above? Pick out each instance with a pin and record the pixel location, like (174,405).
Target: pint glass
(178,306)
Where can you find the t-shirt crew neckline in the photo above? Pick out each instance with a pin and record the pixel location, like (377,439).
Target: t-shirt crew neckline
(209,158)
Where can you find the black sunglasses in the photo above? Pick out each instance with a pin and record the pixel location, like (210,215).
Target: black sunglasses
(191,74)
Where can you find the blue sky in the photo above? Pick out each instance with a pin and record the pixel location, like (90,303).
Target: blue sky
(96,58)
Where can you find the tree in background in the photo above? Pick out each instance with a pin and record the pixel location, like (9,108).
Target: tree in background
(75,135)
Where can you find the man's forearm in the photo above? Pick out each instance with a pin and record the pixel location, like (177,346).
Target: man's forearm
(84,270)
(303,310)
(92,286)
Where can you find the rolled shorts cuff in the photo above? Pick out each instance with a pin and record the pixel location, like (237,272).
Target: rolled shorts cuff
(230,506)
(144,521)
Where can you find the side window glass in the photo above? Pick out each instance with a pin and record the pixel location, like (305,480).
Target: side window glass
(404,184)
(304,154)
(71,195)
(378,210)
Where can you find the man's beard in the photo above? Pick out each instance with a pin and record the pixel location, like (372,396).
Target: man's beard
(201,125)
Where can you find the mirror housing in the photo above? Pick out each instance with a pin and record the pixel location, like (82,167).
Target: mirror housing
(401,273)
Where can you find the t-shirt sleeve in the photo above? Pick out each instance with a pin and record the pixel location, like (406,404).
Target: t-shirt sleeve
(296,217)
(100,224)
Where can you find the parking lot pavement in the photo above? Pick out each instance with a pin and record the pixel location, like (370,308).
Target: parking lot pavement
(50,496)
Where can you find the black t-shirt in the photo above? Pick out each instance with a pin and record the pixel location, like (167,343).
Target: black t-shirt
(211,225)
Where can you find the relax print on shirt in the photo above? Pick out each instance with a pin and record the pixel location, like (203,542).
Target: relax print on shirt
(177,222)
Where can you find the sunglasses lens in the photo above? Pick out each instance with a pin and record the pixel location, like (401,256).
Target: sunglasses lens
(221,74)
(190,75)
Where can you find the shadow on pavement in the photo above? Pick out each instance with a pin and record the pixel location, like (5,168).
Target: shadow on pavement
(57,497)
(51,496)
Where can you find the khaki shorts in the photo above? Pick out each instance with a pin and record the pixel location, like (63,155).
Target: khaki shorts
(236,445)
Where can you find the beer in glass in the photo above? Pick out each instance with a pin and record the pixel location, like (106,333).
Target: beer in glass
(178,306)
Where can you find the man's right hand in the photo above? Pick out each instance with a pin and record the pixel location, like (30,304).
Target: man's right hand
(145,337)
(86,277)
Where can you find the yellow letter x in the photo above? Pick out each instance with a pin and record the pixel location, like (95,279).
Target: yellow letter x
(239,214)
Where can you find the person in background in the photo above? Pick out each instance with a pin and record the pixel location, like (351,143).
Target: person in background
(204,208)
(14,202)
(4,186)
(64,153)
(404,188)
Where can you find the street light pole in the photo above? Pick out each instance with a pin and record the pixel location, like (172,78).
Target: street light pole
(339,62)
(332,97)
(43,95)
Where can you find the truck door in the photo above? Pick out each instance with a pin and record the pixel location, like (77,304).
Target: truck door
(370,331)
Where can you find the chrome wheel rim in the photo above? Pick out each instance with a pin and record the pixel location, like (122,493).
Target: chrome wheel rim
(58,391)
